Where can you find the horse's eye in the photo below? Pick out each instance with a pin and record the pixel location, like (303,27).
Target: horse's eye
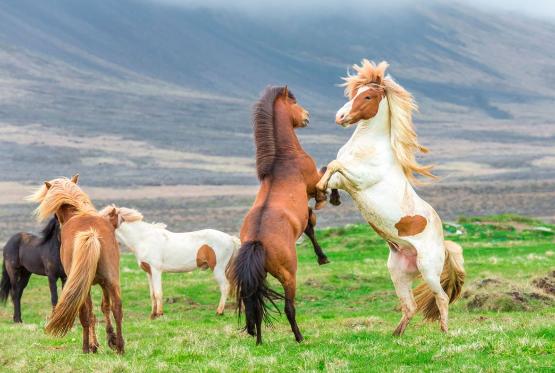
(368,97)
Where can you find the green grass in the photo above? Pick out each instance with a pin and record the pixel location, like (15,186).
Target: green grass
(346,311)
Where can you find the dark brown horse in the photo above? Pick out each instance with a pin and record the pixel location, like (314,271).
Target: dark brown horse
(25,254)
(288,176)
(90,255)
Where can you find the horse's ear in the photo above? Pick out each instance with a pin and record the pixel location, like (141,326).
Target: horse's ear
(378,80)
(75,178)
(47,184)
(286,92)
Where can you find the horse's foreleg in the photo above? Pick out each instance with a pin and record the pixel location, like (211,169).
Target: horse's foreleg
(219,275)
(156,281)
(110,335)
(403,270)
(309,231)
(331,168)
(152,298)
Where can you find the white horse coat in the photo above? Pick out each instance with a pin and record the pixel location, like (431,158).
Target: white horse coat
(376,168)
(158,250)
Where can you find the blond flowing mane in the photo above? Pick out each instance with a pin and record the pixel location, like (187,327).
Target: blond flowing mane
(404,140)
(61,191)
(127,214)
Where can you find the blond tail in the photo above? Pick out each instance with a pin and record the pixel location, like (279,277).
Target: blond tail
(86,251)
(452,280)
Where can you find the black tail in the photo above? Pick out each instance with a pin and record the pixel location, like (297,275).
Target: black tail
(247,275)
(5,284)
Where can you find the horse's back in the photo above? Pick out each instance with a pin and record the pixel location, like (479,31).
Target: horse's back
(105,233)
(24,250)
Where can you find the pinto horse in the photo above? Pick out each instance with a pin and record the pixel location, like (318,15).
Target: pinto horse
(25,254)
(377,167)
(279,215)
(158,250)
(90,255)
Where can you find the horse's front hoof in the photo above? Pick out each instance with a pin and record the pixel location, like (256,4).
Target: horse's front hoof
(323,260)
(334,198)
(156,315)
(399,330)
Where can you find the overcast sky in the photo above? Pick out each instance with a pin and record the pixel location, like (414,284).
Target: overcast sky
(535,8)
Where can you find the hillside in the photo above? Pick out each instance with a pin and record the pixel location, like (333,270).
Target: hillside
(134,93)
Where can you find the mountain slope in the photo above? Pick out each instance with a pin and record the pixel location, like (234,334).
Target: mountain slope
(184,79)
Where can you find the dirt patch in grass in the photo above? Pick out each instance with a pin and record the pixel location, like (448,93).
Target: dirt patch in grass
(491,294)
(547,284)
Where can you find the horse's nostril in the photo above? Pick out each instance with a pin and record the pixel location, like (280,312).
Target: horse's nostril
(342,116)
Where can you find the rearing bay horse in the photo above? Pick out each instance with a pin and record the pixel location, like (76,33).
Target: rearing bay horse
(90,255)
(377,167)
(279,215)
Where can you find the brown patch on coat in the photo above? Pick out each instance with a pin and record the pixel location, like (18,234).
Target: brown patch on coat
(206,258)
(411,225)
(145,267)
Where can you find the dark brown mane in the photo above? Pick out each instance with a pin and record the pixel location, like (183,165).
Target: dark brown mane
(264,134)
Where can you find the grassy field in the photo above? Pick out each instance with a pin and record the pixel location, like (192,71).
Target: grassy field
(346,311)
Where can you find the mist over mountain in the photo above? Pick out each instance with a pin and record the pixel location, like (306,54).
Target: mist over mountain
(161,94)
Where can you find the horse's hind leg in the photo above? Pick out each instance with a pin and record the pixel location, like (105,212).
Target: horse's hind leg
(85,324)
(290,286)
(309,231)
(93,341)
(21,277)
(53,289)
(219,275)
(117,310)
(431,274)
(403,270)
(105,306)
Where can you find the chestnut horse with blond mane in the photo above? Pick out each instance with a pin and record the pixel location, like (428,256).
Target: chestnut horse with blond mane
(377,167)
(279,215)
(90,255)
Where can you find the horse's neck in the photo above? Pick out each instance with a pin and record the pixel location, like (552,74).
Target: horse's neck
(65,212)
(286,141)
(372,139)
(133,234)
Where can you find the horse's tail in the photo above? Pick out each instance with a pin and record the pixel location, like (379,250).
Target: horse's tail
(86,252)
(247,276)
(452,280)
(5,284)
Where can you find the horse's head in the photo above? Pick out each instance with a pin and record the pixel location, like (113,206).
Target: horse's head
(298,115)
(365,92)
(63,197)
(119,215)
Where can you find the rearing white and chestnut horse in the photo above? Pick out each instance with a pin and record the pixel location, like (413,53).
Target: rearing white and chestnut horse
(377,167)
